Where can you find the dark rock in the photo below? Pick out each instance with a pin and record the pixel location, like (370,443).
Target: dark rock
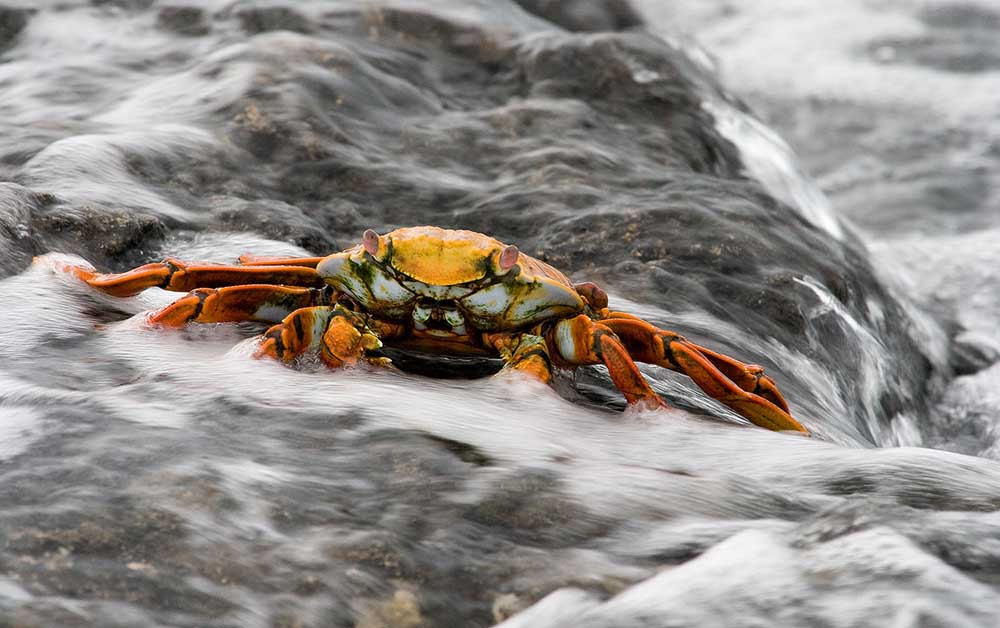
(960,37)
(278,220)
(276,18)
(960,15)
(531,508)
(18,205)
(586,15)
(129,5)
(118,234)
(184,20)
(12,22)
(968,357)
(133,534)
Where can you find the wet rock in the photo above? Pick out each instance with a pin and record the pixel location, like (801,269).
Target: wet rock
(131,534)
(401,610)
(275,18)
(17,240)
(970,355)
(114,234)
(586,15)
(279,220)
(507,605)
(182,19)
(381,552)
(12,22)
(119,554)
(309,498)
(35,617)
(971,550)
(960,38)
(875,559)
(531,508)
(130,5)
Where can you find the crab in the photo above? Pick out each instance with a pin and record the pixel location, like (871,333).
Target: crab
(445,292)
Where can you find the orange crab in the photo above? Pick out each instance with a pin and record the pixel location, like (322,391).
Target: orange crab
(443,291)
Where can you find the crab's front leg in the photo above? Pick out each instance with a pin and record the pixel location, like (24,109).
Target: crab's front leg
(742,387)
(523,353)
(342,337)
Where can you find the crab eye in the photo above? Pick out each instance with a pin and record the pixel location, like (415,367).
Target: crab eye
(508,257)
(370,241)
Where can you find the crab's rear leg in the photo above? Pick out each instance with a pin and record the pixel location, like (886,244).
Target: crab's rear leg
(749,377)
(264,260)
(581,341)
(233,304)
(341,337)
(637,333)
(742,387)
(173,274)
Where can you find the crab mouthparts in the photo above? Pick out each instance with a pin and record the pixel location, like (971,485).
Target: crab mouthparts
(439,318)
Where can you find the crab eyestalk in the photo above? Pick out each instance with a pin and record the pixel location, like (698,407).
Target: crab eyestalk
(372,242)
(508,258)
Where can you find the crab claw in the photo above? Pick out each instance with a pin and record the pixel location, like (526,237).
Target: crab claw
(339,334)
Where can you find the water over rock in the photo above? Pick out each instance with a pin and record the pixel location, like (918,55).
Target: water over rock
(168,478)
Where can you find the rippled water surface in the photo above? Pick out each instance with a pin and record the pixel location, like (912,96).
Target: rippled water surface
(166,478)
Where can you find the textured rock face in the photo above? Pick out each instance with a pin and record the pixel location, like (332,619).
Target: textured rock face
(168,479)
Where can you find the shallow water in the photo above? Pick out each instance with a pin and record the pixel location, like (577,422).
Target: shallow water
(167,478)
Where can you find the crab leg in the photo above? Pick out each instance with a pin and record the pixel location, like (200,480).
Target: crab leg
(268,304)
(173,274)
(742,387)
(749,377)
(263,260)
(341,336)
(582,341)
(524,353)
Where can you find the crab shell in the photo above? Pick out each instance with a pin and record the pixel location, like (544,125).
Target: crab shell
(392,275)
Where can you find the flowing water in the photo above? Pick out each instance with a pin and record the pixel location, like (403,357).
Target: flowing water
(166,478)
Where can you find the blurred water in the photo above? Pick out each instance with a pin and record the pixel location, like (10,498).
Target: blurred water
(167,478)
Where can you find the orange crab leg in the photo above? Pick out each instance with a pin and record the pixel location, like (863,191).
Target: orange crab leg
(173,274)
(749,377)
(638,334)
(582,341)
(341,336)
(524,353)
(264,260)
(264,303)
(742,387)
